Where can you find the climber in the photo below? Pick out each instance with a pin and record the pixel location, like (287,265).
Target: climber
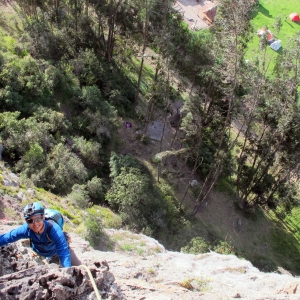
(47,243)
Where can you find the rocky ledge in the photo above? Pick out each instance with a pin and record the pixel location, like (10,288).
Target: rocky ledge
(118,275)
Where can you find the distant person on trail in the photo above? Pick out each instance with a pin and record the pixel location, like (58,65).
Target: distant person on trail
(46,238)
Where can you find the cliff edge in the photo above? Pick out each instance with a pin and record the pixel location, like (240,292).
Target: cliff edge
(119,275)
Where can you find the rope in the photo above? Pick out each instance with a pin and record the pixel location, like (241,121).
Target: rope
(92,281)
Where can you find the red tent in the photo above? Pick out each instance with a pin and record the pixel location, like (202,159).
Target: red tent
(270,36)
(294,17)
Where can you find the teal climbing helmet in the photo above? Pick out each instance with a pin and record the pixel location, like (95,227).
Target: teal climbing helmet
(33,209)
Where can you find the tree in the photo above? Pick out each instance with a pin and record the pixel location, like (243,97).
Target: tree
(144,11)
(270,162)
(79,196)
(96,189)
(65,169)
(89,150)
(117,162)
(129,195)
(277,24)
(232,40)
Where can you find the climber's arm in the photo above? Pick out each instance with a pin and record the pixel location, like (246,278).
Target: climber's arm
(14,235)
(62,248)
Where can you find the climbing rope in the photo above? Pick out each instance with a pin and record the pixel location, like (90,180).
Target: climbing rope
(92,281)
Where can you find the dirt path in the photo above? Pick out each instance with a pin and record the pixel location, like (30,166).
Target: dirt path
(192,11)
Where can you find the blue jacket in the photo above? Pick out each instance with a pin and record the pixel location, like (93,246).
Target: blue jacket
(40,243)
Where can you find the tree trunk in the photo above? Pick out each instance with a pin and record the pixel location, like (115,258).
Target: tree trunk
(145,36)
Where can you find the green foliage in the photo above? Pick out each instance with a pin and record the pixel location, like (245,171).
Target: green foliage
(196,246)
(141,205)
(109,219)
(170,219)
(22,85)
(65,169)
(91,97)
(117,162)
(89,150)
(93,226)
(64,212)
(55,120)
(34,155)
(99,123)
(79,196)
(96,189)
(18,134)
(118,100)
(277,24)
(264,264)
(286,245)
(87,67)
(54,79)
(129,196)
(76,222)
(224,248)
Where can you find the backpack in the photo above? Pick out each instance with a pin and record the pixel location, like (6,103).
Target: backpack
(52,215)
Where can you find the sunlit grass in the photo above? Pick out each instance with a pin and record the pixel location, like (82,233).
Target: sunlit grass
(267,12)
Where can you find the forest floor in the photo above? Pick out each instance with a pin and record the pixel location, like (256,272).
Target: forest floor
(253,237)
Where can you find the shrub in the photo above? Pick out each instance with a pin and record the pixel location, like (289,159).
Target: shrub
(95,189)
(93,226)
(224,248)
(129,194)
(91,96)
(34,155)
(110,219)
(197,245)
(89,150)
(79,196)
(65,169)
(264,264)
(117,162)
(99,124)
(87,67)
(54,78)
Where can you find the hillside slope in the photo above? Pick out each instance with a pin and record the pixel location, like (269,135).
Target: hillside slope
(167,275)
(143,270)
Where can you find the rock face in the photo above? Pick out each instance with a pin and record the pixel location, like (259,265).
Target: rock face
(209,276)
(52,282)
(156,276)
(143,270)
(26,276)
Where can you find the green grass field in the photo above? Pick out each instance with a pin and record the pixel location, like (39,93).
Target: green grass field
(267,12)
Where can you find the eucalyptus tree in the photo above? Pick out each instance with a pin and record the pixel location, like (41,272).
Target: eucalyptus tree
(268,165)
(231,31)
(107,12)
(75,10)
(145,12)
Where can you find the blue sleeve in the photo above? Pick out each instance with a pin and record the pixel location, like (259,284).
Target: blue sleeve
(14,235)
(62,248)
